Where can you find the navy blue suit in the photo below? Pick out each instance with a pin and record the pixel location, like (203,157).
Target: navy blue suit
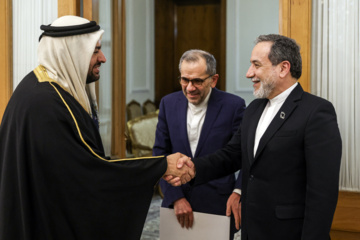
(223,117)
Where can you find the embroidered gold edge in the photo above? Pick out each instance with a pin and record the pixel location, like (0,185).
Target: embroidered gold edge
(42,76)
(131,159)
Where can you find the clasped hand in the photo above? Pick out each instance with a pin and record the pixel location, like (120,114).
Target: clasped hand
(180,169)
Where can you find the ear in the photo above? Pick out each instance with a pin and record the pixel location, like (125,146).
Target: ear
(284,68)
(214,80)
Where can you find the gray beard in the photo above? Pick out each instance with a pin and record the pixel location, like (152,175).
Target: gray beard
(265,89)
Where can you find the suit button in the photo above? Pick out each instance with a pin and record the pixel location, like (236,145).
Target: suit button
(251,177)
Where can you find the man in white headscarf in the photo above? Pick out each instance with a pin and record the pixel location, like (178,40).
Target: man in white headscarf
(55,181)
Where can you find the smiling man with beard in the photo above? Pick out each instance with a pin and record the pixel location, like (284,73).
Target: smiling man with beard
(95,63)
(288,148)
(55,180)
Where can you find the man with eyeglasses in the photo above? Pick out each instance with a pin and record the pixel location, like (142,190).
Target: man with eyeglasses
(288,148)
(197,121)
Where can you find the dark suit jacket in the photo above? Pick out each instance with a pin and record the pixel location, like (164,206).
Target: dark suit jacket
(223,116)
(290,187)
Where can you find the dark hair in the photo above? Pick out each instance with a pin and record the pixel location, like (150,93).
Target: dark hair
(194,55)
(283,49)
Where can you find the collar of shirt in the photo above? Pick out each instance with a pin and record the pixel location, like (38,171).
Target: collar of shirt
(280,99)
(195,120)
(270,110)
(195,109)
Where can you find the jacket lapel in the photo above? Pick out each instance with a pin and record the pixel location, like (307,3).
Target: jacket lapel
(182,122)
(212,113)
(255,117)
(280,117)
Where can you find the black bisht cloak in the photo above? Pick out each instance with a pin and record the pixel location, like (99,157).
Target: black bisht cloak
(55,182)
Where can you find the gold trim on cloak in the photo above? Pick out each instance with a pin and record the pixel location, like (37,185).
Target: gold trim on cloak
(43,76)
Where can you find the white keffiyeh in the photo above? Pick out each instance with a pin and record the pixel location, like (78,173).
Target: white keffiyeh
(67,60)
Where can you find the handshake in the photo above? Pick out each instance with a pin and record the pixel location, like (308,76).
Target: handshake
(180,169)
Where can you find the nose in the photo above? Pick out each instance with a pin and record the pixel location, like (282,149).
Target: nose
(190,87)
(101,57)
(250,72)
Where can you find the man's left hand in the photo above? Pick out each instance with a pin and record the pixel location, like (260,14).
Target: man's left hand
(234,205)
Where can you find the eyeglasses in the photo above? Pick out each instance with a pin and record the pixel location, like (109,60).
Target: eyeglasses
(197,82)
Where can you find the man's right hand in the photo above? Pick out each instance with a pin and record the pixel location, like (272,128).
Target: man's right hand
(184,213)
(180,169)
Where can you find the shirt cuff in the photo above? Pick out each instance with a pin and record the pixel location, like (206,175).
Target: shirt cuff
(237,190)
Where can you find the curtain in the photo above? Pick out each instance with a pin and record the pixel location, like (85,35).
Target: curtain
(27,18)
(335,76)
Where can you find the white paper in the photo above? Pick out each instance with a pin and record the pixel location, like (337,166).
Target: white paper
(205,226)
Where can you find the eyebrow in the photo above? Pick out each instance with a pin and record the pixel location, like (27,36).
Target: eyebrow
(194,79)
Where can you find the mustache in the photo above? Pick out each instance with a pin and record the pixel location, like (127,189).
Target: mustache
(192,92)
(97,65)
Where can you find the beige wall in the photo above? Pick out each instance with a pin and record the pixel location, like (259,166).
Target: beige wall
(295,22)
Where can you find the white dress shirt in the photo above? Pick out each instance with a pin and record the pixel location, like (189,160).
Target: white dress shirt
(272,107)
(195,121)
